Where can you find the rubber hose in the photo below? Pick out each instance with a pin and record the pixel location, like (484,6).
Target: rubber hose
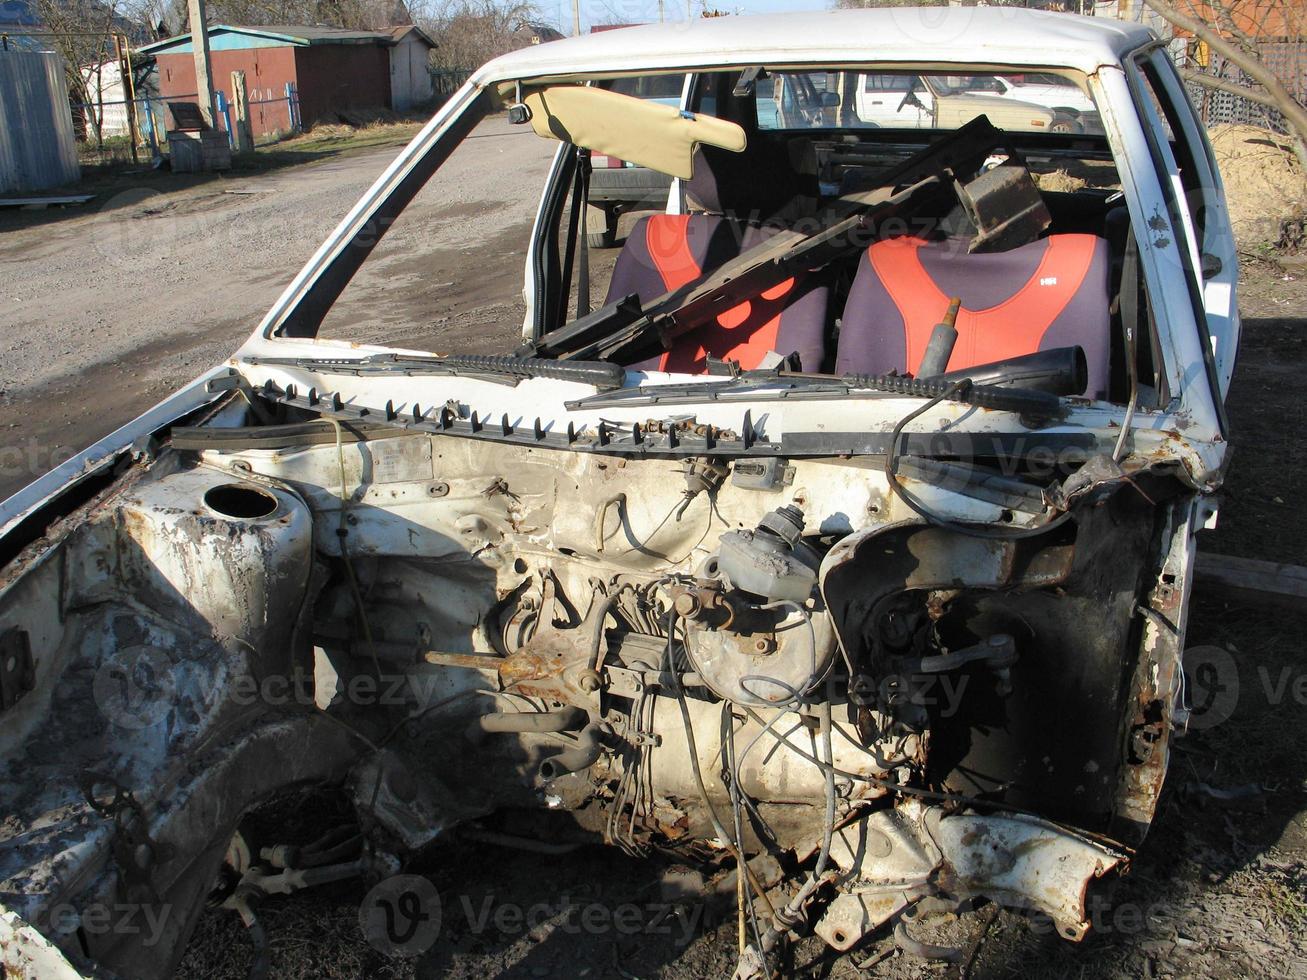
(583,755)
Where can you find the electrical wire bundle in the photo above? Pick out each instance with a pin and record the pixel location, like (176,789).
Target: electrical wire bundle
(754,934)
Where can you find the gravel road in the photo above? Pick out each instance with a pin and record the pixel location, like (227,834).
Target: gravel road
(109,308)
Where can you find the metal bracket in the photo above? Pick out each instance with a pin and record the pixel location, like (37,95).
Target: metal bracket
(763,473)
(17,671)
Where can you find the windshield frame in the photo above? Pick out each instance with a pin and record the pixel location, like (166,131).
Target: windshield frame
(329,270)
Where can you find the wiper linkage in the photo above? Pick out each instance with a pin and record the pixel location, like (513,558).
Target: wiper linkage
(601,374)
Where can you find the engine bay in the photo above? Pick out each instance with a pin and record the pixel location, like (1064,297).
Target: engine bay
(736,661)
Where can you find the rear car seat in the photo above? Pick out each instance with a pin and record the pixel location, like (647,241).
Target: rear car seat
(1050,293)
(737,210)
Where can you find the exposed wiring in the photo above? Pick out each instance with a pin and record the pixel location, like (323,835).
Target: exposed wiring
(342,533)
(619,500)
(718,827)
(930,794)
(748,917)
(902,492)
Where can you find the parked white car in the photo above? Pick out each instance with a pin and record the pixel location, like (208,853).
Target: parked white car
(847,536)
(906,100)
(1073,108)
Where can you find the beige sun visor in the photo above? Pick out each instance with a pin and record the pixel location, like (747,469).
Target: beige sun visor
(640,131)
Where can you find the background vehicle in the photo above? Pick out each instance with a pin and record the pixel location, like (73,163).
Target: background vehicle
(794,101)
(1074,110)
(617,186)
(906,101)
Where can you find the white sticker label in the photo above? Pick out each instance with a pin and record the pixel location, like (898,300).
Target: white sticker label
(400,460)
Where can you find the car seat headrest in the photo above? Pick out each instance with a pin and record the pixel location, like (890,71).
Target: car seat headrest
(773,179)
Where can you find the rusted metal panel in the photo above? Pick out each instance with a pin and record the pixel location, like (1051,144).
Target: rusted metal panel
(333,78)
(267,73)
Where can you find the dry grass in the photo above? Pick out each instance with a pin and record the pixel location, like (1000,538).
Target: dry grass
(333,138)
(1264,185)
(1060,180)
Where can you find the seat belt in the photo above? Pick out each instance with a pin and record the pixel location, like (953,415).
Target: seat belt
(1129,296)
(583,259)
(577,248)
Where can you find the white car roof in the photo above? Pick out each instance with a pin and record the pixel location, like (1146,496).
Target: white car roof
(974,35)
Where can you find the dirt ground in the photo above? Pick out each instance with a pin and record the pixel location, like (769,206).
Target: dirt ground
(108,310)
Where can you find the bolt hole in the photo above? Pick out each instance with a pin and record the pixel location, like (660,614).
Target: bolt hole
(519,566)
(1007,517)
(233,500)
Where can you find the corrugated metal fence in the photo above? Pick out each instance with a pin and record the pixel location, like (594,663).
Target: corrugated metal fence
(37,149)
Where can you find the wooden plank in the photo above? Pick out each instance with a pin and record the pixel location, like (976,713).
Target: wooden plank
(41,202)
(1263,583)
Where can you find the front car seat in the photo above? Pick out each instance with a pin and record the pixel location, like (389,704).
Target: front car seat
(736,211)
(1049,293)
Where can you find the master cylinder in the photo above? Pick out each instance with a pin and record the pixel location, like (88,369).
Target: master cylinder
(756,632)
(771,560)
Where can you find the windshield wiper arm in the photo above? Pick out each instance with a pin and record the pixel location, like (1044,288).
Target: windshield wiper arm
(774,385)
(601,374)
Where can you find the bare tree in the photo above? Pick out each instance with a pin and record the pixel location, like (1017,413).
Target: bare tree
(1225,26)
(364,15)
(82,32)
(866,4)
(471,32)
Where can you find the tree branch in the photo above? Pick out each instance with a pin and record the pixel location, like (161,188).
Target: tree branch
(1225,85)
(1255,68)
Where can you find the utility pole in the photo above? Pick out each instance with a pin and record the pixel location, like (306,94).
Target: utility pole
(203,73)
(128,84)
(576,18)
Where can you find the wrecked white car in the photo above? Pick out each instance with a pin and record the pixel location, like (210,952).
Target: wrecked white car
(840,529)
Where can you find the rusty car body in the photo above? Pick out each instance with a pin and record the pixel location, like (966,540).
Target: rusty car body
(872,635)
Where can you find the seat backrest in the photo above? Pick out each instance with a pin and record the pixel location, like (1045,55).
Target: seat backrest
(773,180)
(1049,293)
(665,251)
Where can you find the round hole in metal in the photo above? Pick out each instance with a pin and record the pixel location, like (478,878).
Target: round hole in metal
(234,500)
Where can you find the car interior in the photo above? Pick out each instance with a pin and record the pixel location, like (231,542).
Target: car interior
(872,312)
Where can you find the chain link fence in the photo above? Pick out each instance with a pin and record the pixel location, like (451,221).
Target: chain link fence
(1287,57)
